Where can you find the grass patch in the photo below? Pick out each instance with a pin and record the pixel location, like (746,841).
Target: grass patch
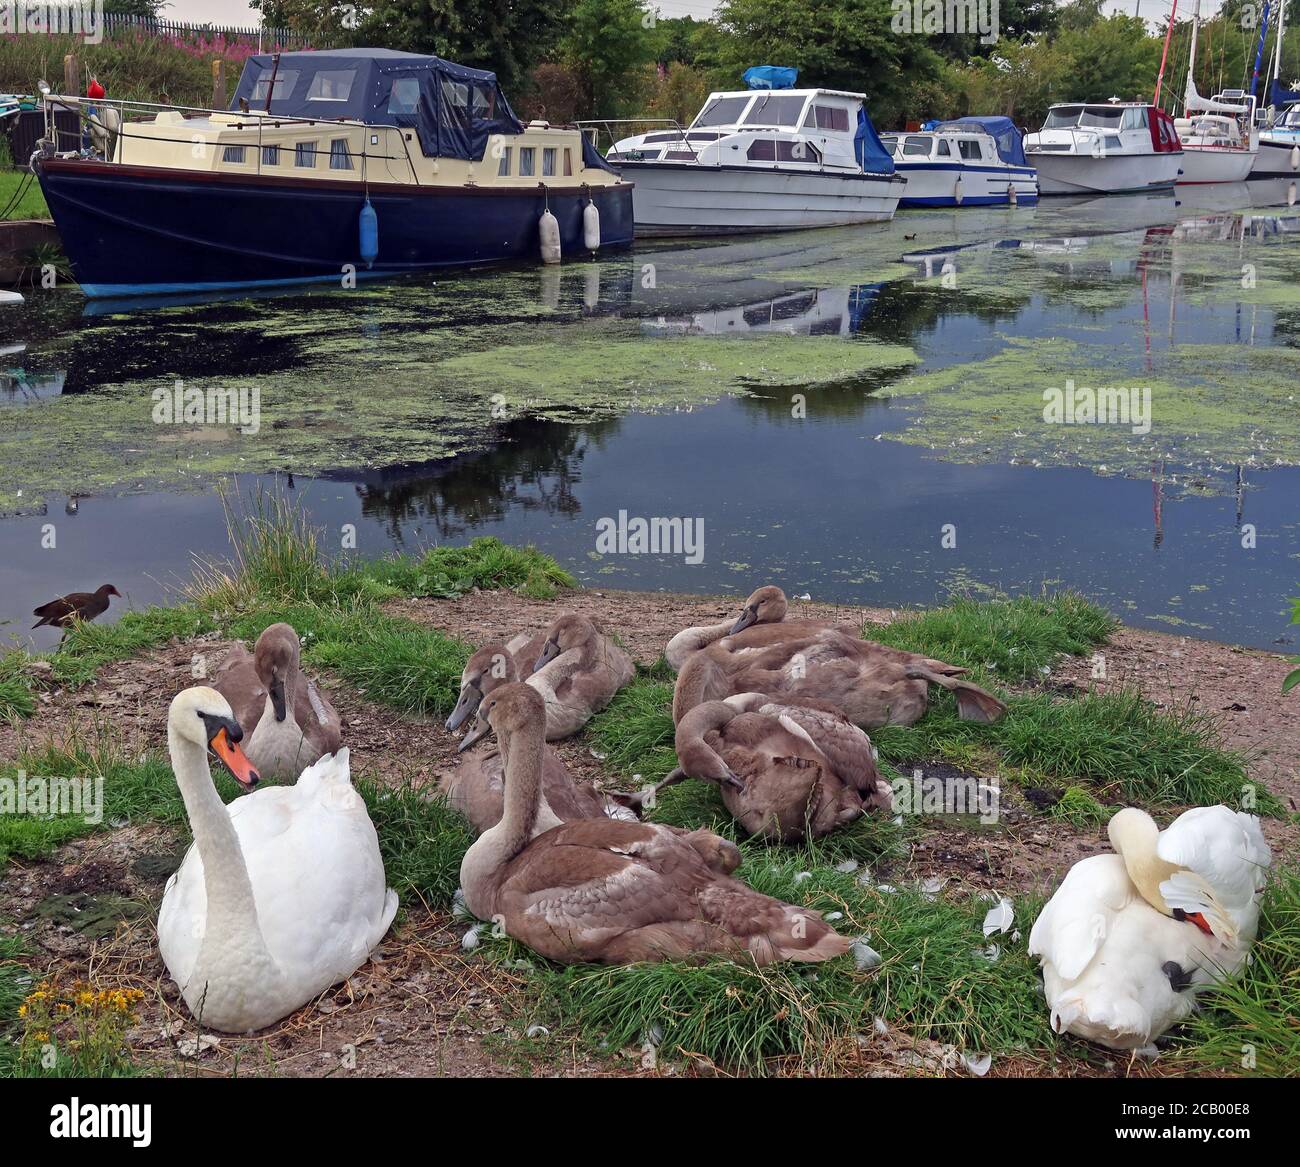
(634,732)
(16,696)
(1251,1026)
(32,203)
(135,789)
(1118,741)
(15,982)
(90,646)
(277,556)
(932,981)
(1011,639)
(422,841)
(1078,808)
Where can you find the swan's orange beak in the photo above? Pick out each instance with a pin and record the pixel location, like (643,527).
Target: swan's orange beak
(236,761)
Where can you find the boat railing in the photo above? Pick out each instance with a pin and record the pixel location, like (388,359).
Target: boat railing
(595,128)
(108,133)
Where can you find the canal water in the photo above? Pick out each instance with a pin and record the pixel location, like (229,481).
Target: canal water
(866,415)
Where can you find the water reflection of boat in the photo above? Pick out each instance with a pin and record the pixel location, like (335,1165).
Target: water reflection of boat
(1125,212)
(811,312)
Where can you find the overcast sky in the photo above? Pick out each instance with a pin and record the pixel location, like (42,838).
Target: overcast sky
(237,13)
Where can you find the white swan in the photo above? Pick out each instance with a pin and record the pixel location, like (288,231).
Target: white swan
(1129,938)
(282,894)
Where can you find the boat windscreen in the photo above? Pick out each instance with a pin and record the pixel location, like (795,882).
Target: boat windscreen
(721,111)
(774,110)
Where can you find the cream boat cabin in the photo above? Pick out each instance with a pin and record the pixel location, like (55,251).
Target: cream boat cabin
(359,161)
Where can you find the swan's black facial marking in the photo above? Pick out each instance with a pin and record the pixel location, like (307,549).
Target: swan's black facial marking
(1179,980)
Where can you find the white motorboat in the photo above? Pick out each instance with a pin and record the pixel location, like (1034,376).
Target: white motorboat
(1220,141)
(1109,147)
(968,162)
(768,159)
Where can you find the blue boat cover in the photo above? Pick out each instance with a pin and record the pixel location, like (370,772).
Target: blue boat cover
(770,77)
(454,109)
(869,149)
(1003,131)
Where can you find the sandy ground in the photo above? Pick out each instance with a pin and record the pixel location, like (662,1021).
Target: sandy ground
(423,1006)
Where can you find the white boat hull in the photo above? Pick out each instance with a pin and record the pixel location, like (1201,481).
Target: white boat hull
(1277,158)
(934,184)
(1068,173)
(1215,164)
(687,199)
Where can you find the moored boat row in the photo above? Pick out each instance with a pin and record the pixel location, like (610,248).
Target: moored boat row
(341,165)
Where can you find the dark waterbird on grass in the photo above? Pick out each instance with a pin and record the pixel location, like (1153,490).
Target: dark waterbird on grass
(64,612)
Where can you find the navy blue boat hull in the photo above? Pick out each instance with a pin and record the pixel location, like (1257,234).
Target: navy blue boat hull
(134,230)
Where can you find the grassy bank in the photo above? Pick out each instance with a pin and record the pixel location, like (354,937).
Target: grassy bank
(31,203)
(923,967)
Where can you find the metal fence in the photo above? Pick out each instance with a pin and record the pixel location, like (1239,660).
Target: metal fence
(286,38)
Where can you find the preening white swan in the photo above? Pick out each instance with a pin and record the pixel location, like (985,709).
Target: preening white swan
(282,893)
(1129,938)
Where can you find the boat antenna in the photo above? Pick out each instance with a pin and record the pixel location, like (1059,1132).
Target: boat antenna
(275,69)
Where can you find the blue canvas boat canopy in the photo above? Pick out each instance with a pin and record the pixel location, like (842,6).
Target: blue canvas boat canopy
(869,149)
(770,77)
(1281,95)
(1011,147)
(452,108)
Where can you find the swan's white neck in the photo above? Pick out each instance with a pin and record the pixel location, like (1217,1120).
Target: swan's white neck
(231,925)
(1135,838)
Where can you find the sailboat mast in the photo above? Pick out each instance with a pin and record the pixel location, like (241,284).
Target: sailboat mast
(1165,55)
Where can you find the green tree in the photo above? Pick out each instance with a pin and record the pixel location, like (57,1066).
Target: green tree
(839,44)
(146,8)
(606,44)
(509,38)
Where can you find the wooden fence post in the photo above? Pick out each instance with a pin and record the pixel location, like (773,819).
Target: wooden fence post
(71,76)
(218,83)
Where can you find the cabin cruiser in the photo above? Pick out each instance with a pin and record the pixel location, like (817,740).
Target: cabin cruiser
(762,159)
(1219,147)
(1105,148)
(327,166)
(1279,145)
(972,161)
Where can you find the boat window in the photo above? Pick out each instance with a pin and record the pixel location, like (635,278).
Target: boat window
(969,149)
(679,156)
(889,141)
(943,150)
(340,158)
(914,147)
(797,152)
(568,162)
(331,85)
(503,169)
(1102,118)
(548,162)
(233,154)
(1135,118)
(526,154)
(773,110)
(1113,142)
(1293,117)
(304,154)
(285,80)
(270,155)
(1061,116)
(832,117)
(404,97)
(762,150)
(722,111)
